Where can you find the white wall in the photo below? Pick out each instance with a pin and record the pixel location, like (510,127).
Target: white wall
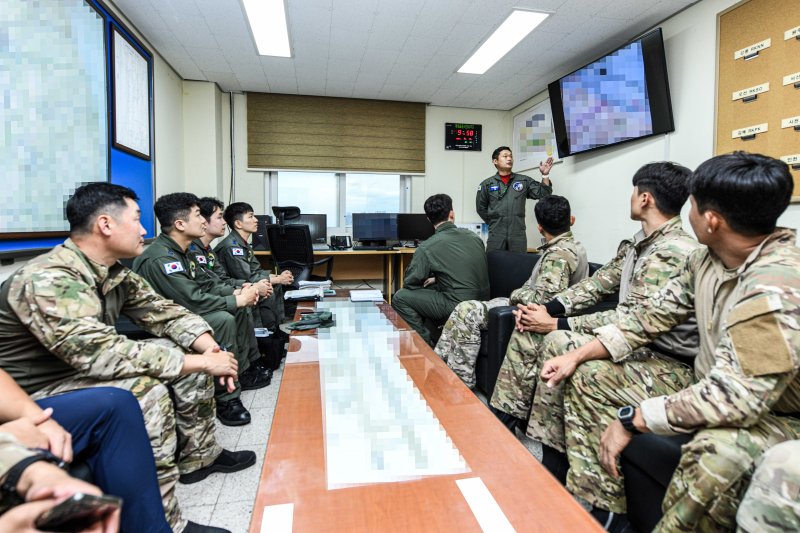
(598,184)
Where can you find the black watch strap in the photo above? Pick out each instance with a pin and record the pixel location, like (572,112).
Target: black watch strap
(625,416)
(9,486)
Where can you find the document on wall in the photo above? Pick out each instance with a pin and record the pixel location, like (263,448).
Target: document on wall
(366,295)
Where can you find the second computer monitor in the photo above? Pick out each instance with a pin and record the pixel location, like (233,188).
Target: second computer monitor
(317,225)
(413,227)
(378,228)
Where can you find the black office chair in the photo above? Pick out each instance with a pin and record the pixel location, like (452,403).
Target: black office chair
(292,250)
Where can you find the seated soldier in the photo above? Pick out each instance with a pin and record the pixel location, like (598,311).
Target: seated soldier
(744,396)
(207,269)
(57,316)
(173,273)
(771,503)
(237,257)
(562,263)
(101,426)
(641,267)
(446,269)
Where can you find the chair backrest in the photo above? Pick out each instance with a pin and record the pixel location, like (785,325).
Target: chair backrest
(508,271)
(291,243)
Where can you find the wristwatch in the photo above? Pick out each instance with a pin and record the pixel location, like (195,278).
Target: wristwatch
(625,416)
(8,490)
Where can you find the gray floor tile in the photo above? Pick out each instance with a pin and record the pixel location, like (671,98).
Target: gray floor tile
(199,514)
(204,492)
(228,436)
(242,486)
(234,516)
(256,432)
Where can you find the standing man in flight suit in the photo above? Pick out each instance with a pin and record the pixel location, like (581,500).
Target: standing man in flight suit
(501,201)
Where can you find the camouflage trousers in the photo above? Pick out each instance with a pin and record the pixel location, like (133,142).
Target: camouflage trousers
(591,399)
(772,501)
(519,374)
(714,471)
(461,337)
(181,433)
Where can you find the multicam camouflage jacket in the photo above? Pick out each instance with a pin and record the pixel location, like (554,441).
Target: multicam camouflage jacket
(749,322)
(563,263)
(57,316)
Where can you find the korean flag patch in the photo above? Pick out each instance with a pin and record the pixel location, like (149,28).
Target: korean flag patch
(237,251)
(202,260)
(171,268)
(518,185)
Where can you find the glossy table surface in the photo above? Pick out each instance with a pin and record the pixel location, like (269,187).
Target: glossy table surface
(294,469)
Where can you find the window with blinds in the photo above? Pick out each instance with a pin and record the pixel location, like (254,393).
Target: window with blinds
(341,134)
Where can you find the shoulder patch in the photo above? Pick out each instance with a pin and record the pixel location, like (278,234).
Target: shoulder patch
(171,268)
(237,251)
(754,325)
(202,260)
(518,185)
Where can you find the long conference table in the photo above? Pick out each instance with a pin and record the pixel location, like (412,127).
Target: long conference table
(293,479)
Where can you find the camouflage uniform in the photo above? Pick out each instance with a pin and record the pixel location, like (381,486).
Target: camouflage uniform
(237,258)
(456,258)
(641,266)
(175,274)
(57,316)
(563,262)
(744,398)
(503,208)
(11,453)
(771,503)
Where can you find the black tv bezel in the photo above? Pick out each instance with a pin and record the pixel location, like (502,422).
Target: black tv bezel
(655,68)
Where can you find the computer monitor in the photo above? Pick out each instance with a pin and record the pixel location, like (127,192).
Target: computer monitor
(374,228)
(260,241)
(317,225)
(413,227)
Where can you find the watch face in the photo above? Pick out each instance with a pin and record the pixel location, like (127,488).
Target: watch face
(625,412)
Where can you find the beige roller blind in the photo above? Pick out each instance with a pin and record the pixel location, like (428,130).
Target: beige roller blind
(320,133)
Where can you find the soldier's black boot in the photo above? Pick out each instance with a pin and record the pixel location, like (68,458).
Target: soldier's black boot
(193,527)
(232,413)
(612,522)
(263,368)
(556,462)
(509,421)
(254,378)
(225,463)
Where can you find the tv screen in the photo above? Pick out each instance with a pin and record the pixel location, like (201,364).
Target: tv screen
(317,226)
(618,98)
(414,227)
(375,226)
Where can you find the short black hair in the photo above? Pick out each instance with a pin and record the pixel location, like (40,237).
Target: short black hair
(667,182)
(89,200)
(553,214)
(236,211)
(208,205)
(438,207)
(497,151)
(750,191)
(172,207)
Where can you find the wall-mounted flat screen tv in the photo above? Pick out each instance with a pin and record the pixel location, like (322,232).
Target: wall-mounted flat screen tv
(620,97)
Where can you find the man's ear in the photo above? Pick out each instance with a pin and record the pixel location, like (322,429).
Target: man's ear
(572,220)
(451,216)
(238,224)
(714,220)
(179,225)
(103,224)
(540,228)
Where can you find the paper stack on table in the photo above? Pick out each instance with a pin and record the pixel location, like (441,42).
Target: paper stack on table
(366,295)
(306,284)
(312,293)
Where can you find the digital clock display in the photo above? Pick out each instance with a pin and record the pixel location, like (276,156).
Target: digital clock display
(458,136)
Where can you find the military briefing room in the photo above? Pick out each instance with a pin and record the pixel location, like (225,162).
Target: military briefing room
(337,123)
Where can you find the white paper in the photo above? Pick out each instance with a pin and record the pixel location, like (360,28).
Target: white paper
(131,97)
(324,284)
(309,294)
(534,139)
(483,505)
(277,518)
(366,295)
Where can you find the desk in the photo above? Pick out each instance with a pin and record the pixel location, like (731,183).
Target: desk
(358,265)
(294,468)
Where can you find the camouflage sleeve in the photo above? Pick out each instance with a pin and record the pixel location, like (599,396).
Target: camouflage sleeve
(556,267)
(418,271)
(482,203)
(746,380)
(11,453)
(159,316)
(591,290)
(771,503)
(60,309)
(182,288)
(537,189)
(639,323)
(664,262)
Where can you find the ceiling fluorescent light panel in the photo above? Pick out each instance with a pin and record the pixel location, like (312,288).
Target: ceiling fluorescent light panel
(267,20)
(515,28)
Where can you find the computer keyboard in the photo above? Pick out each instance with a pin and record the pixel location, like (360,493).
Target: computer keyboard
(373,247)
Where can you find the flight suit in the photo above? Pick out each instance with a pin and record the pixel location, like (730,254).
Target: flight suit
(456,258)
(503,208)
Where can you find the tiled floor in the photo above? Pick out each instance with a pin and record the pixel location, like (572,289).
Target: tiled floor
(226,500)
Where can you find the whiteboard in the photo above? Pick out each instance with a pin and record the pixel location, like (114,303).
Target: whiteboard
(131,98)
(534,139)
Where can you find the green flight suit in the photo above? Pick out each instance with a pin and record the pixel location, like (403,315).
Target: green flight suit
(456,258)
(173,274)
(503,208)
(238,259)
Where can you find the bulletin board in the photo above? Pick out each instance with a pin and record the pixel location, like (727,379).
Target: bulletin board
(758,91)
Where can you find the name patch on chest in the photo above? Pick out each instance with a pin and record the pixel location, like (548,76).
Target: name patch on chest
(171,268)
(494,187)
(237,251)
